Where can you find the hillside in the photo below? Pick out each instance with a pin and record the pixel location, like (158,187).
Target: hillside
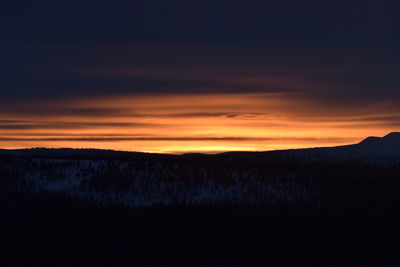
(310,207)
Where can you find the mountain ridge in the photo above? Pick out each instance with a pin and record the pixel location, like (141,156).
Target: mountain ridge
(388,145)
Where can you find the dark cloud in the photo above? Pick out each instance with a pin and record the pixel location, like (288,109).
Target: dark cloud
(71,125)
(308,22)
(91,112)
(108,139)
(330,62)
(46,111)
(51,73)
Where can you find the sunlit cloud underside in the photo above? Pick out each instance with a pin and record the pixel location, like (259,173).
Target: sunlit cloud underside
(181,123)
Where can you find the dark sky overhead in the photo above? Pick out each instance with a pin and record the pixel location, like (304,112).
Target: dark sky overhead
(176,76)
(286,22)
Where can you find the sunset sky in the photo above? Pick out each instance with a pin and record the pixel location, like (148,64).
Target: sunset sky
(176,76)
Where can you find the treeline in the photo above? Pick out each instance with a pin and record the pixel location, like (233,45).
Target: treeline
(199,180)
(198,211)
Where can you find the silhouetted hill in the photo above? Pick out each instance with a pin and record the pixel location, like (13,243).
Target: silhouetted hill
(146,179)
(374,149)
(391,140)
(371,147)
(335,206)
(387,146)
(70,153)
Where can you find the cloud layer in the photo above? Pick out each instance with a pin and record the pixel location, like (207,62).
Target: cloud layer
(176,76)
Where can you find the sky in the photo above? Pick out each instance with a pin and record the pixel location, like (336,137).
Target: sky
(175,76)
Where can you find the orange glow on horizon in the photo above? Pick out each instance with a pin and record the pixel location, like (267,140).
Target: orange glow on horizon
(182,123)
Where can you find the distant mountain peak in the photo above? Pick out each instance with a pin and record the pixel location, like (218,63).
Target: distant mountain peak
(393,138)
(387,145)
(393,135)
(370,140)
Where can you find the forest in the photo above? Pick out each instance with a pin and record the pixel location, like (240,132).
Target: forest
(104,208)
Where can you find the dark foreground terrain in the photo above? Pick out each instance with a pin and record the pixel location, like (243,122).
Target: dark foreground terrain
(319,207)
(56,231)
